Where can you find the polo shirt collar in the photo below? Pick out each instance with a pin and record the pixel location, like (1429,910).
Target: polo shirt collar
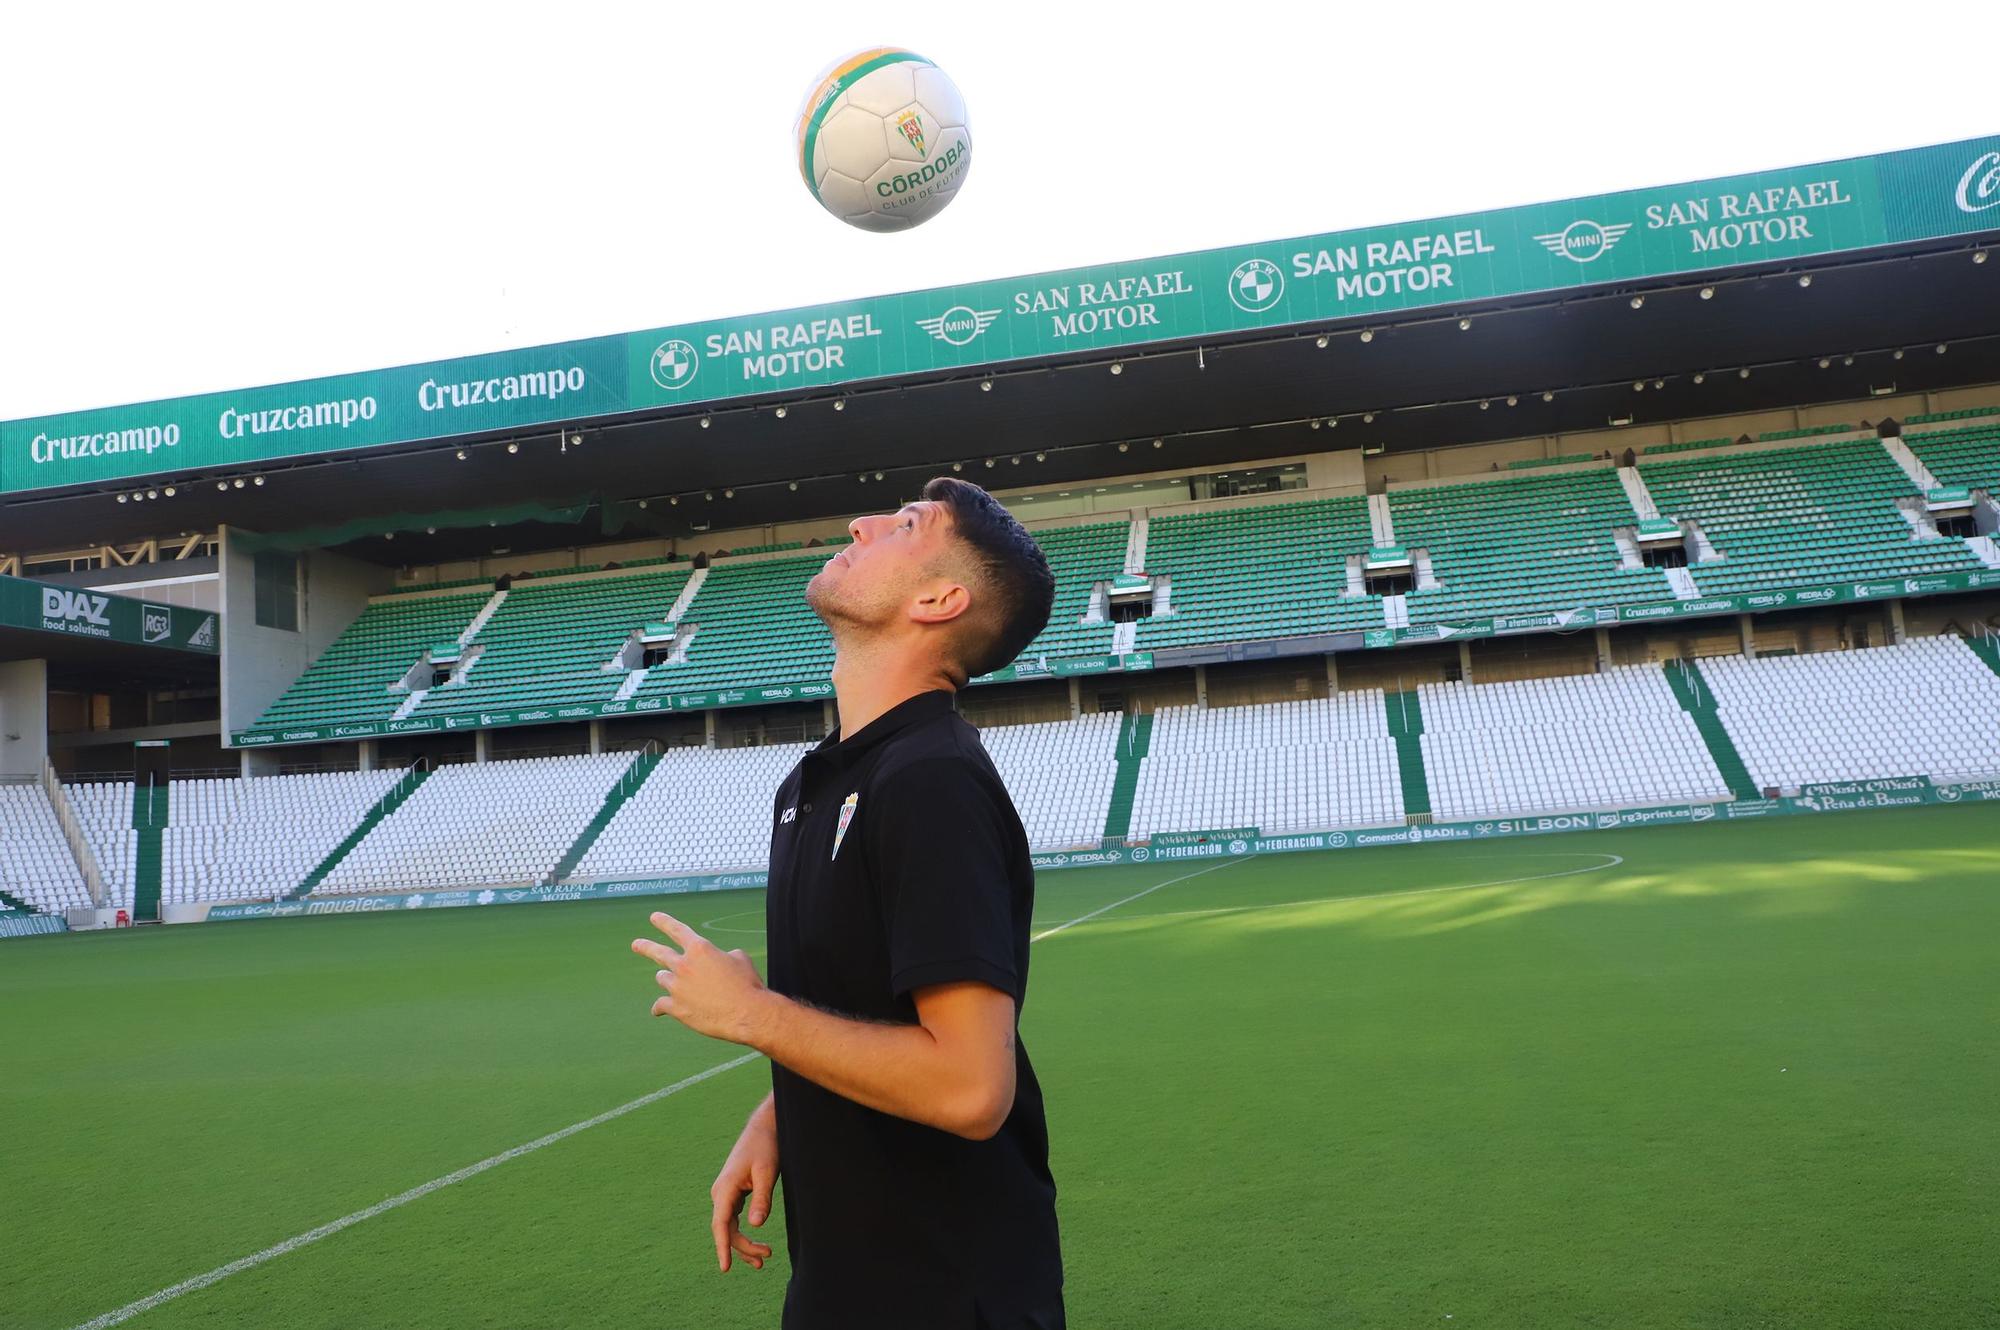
(910,711)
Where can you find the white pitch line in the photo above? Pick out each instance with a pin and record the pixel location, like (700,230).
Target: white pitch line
(1105,909)
(222,1272)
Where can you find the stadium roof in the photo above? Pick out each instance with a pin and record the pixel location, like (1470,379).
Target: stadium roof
(1562,307)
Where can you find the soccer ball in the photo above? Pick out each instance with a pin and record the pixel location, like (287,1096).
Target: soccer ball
(883,142)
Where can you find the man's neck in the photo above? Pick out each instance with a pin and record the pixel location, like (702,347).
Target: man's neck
(868,682)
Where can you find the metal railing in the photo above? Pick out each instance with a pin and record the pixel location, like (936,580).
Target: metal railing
(72,830)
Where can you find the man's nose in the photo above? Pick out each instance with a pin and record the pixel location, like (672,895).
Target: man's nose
(863,528)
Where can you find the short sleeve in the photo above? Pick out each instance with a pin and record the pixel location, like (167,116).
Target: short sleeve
(940,845)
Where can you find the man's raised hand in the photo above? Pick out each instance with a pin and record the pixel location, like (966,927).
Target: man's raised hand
(711,991)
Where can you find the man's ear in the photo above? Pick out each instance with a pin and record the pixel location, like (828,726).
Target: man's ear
(940,602)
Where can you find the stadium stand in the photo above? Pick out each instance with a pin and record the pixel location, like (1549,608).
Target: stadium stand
(1060,775)
(480,824)
(1619,739)
(1522,545)
(1518,542)
(1819,512)
(1278,570)
(219,842)
(1924,707)
(1967,455)
(351,680)
(104,812)
(36,866)
(752,626)
(550,642)
(1628,737)
(701,809)
(1278,767)
(1081,557)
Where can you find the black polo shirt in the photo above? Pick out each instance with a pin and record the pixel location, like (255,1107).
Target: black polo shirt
(898,861)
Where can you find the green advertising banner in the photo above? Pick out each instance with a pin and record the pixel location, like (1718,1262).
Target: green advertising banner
(1637,235)
(16,924)
(77,612)
(1749,602)
(495,718)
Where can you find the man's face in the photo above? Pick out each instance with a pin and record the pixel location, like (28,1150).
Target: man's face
(896,564)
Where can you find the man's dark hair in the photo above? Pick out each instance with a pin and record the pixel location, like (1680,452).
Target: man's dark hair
(1011,569)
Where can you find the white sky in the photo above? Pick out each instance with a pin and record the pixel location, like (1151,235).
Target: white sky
(199,197)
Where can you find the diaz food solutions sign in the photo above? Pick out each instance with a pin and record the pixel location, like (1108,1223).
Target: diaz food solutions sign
(1798,212)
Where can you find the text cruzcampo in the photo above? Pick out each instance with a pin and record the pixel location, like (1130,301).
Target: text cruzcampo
(234,424)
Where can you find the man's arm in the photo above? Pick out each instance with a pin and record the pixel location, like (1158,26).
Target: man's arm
(953,1070)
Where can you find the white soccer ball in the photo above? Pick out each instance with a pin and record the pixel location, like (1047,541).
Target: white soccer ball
(883,140)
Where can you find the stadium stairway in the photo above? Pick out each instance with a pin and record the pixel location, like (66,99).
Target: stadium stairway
(1135,740)
(387,804)
(1406,727)
(149,819)
(614,799)
(1987,649)
(1698,700)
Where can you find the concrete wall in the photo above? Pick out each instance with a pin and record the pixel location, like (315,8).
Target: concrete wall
(259,663)
(24,717)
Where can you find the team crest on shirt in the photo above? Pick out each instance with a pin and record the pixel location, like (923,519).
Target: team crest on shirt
(847,807)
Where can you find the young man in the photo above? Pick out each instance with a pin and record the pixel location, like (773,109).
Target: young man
(904,1115)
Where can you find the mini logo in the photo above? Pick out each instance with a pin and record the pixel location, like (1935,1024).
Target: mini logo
(1141,855)
(911,126)
(415,902)
(1701,812)
(1583,240)
(1948,794)
(1239,847)
(156,623)
(1337,839)
(674,364)
(1256,285)
(959,325)
(847,807)
(1979,187)
(788,816)
(1607,820)
(203,636)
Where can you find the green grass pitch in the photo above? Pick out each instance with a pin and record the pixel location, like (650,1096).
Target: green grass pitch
(1730,1075)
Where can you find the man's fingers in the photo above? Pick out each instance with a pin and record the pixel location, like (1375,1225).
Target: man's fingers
(683,935)
(665,979)
(762,1178)
(750,1250)
(656,953)
(664,1007)
(723,1226)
